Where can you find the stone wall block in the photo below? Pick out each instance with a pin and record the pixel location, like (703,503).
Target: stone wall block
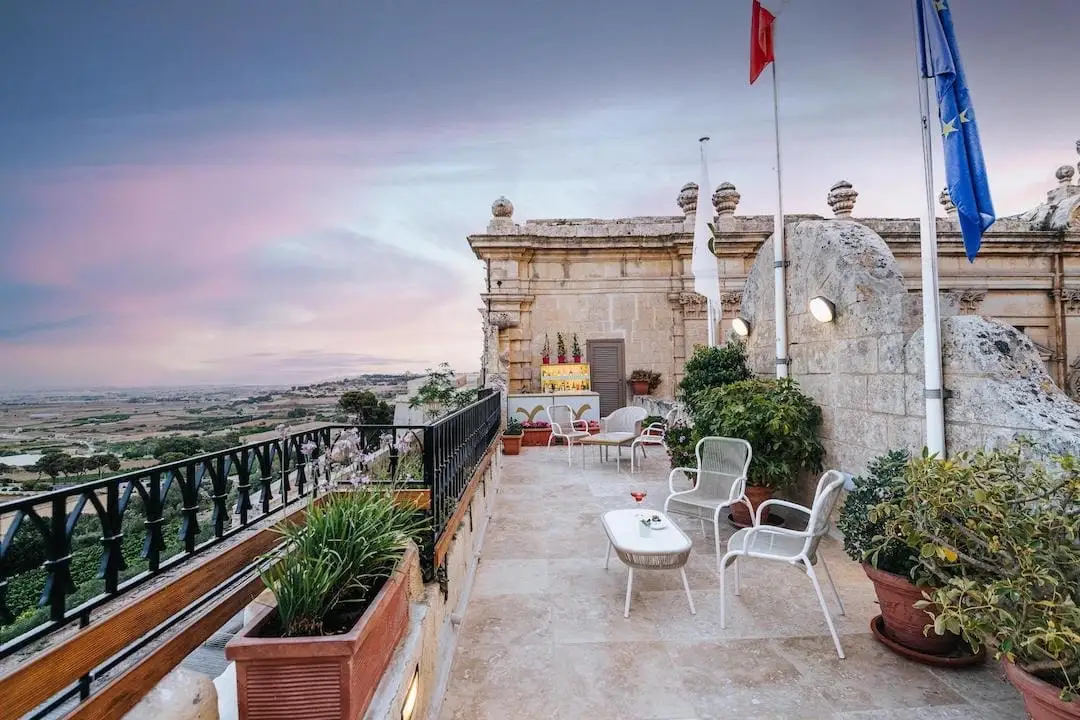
(856,356)
(885,394)
(850,392)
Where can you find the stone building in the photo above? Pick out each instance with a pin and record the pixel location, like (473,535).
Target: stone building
(625,287)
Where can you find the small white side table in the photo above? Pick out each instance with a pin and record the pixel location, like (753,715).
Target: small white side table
(646,549)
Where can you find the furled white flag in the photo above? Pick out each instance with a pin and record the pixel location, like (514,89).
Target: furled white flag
(703,263)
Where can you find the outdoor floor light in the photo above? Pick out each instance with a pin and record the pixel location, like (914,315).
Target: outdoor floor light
(823,309)
(740,326)
(409,706)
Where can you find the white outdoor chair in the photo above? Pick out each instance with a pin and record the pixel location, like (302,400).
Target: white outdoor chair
(796,547)
(619,429)
(652,435)
(720,483)
(563,425)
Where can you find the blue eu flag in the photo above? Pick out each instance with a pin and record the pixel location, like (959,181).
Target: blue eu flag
(964,166)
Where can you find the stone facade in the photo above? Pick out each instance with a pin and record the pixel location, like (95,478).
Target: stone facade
(630,278)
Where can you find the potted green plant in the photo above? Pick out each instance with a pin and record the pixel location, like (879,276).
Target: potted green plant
(575,349)
(711,367)
(511,438)
(340,607)
(643,382)
(997,534)
(681,441)
(780,423)
(888,561)
(560,348)
(545,354)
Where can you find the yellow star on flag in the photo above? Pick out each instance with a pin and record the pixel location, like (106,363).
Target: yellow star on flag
(949,128)
(940,5)
(964,116)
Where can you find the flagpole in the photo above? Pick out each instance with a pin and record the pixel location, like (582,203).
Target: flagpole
(779,255)
(933,391)
(703,196)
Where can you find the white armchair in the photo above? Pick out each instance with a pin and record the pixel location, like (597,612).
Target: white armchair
(654,434)
(563,425)
(619,429)
(798,548)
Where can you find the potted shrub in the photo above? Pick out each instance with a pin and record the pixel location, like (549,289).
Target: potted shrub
(711,367)
(781,425)
(998,534)
(340,607)
(889,562)
(681,442)
(644,382)
(560,347)
(537,433)
(575,349)
(511,439)
(545,354)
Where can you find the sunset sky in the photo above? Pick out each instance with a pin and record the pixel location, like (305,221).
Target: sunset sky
(275,191)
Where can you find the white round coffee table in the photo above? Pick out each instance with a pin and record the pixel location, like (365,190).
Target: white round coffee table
(641,548)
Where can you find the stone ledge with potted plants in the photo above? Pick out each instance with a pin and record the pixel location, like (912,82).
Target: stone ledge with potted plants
(644,382)
(998,536)
(780,423)
(512,437)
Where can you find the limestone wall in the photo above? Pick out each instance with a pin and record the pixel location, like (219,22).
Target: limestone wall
(865,367)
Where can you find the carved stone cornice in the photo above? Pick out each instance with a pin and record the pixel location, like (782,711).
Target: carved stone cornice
(1070,297)
(731,303)
(968,300)
(694,306)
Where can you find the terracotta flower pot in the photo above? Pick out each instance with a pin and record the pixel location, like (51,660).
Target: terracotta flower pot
(1040,698)
(640,387)
(562,359)
(511,444)
(323,677)
(904,622)
(536,437)
(546,360)
(577,358)
(757,495)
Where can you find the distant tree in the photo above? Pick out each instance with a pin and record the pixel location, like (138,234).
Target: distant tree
(297,412)
(73,466)
(52,464)
(6,469)
(184,446)
(365,408)
(440,394)
(217,443)
(172,457)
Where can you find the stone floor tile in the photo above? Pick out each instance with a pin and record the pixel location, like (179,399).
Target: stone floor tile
(507,620)
(670,614)
(620,681)
(986,684)
(598,618)
(495,683)
(870,678)
(510,577)
(979,711)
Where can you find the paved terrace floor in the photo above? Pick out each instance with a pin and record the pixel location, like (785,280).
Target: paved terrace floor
(544,634)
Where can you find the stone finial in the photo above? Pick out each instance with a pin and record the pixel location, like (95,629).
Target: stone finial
(726,199)
(946,202)
(842,199)
(688,197)
(502,208)
(1064,175)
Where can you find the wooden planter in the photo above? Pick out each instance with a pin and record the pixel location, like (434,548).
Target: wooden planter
(536,437)
(329,677)
(511,444)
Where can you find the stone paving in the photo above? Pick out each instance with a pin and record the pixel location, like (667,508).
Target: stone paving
(544,635)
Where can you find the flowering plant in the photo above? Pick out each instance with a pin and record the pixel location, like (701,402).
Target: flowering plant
(535,424)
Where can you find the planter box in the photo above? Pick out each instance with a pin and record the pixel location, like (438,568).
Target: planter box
(329,677)
(536,437)
(511,444)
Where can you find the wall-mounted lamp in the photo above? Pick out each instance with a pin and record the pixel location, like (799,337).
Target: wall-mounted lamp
(409,706)
(740,326)
(823,309)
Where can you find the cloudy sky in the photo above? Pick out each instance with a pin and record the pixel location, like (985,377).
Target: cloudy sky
(265,191)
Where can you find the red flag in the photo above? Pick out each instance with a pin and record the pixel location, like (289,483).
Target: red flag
(761,40)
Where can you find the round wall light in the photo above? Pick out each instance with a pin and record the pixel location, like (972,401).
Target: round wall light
(823,309)
(740,326)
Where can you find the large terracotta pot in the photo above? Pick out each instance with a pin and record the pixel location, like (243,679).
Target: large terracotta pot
(511,444)
(1040,698)
(536,437)
(904,622)
(741,514)
(640,387)
(331,677)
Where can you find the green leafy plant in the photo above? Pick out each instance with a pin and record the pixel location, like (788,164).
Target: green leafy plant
(441,395)
(647,376)
(711,367)
(775,417)
(560,345)
(513,427)
(337,559)
(653,420)
(863,537)
(999,538)
(681,441)
(546,352)
(575,348)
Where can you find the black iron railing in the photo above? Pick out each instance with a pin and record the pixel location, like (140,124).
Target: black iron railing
(135,526)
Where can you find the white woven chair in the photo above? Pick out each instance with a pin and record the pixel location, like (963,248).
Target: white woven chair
(719,482)
(652,435)
(620,428)
(563,425)
(791,546)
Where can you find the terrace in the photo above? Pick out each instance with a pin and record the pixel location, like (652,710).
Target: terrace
(544,633)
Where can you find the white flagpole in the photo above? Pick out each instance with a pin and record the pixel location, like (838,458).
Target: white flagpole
(706,281)
(933,391)
(779,255)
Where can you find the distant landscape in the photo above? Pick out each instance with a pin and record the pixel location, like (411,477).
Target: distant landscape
(49,439)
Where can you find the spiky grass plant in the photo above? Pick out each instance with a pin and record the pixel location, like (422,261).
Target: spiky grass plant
(336,560)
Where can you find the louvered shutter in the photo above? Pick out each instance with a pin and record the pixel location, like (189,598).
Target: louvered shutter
(607,374)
